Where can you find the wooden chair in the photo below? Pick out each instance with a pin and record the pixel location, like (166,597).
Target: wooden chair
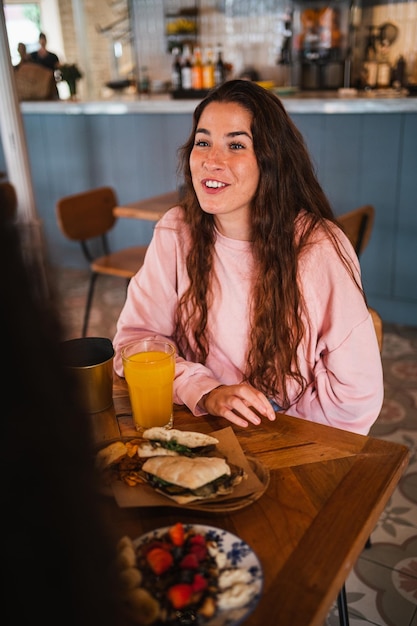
(357,225)
(8,200)
(379,329)
(342,605)
(87,218)
(35,82)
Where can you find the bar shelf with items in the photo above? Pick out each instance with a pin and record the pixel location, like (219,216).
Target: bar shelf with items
(195,72)
(181,28)
(382,70)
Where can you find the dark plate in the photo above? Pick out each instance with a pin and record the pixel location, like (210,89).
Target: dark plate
(118,84)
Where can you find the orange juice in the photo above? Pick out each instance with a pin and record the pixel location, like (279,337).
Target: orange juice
(150,375)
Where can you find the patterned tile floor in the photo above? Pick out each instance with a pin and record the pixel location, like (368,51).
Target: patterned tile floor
(382,588)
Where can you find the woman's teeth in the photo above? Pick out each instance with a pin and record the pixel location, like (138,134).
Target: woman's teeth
(214,184)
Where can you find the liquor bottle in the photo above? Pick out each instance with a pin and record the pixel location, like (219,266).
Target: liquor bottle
(144,81)
(197,70)
(208,70)
(383,78)
(399,73)
(370,65)
(176,70)
(186,77)
(219,69)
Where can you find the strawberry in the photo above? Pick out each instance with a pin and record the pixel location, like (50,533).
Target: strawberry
(189,561)
(157,543)
(198,540)
(180,595)
(199,551)
(159,560)
(199,583)
(176,534)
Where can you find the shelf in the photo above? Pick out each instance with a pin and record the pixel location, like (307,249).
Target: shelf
(181,27)
(189,94)
(192,12)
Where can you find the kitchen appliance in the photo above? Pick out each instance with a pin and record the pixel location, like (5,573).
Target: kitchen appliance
(320,43)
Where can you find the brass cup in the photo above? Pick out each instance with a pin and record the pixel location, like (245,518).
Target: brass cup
(90,360)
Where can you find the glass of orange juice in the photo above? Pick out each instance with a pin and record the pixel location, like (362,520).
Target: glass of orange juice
(149,368)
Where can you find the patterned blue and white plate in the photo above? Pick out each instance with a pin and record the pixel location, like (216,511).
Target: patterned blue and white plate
(233,553)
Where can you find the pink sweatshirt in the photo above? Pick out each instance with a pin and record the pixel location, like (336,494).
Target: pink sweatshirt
(339,356)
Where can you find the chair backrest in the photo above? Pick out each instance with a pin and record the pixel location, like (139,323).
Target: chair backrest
(34,82)
(357,225)
(8,200)
(87,215)
(379,330)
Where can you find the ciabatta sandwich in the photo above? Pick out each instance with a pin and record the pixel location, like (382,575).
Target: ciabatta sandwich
(172,442)
(186,479)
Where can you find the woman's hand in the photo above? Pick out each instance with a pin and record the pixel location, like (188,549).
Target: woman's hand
(240,404)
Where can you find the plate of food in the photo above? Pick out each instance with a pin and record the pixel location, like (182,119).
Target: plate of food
(188,574)
(170,467)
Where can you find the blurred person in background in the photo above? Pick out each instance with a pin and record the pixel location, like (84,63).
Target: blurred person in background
(47,59)
(43,56)
(24,55)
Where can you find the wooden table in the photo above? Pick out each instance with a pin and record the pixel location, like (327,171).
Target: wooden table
(151,209)
(327,490)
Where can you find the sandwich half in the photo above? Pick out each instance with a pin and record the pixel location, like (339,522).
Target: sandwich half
(186,479)
(172,442)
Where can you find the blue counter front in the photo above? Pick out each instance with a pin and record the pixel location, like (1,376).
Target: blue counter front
(364,149)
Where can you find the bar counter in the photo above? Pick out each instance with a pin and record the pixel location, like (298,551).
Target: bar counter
(300,102)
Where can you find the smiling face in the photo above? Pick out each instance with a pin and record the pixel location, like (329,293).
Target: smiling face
(224,168)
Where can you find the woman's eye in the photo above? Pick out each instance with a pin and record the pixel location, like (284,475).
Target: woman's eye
(236,145)
(201,143)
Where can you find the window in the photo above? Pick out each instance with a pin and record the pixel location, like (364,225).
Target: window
(22,25)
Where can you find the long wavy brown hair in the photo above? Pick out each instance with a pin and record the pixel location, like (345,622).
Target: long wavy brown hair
(287,185)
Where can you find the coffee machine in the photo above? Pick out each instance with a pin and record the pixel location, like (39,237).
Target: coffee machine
(320,44)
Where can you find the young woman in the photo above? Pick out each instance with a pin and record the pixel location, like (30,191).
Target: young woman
(253,280)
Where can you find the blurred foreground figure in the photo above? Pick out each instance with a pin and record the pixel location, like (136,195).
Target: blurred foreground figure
(55,549)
